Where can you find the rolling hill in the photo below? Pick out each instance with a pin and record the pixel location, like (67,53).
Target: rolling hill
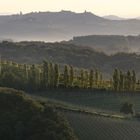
(110,44)
(24,118)
(82,57)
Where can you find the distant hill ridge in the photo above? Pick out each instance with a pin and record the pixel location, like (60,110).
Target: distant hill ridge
(63,25)
(109,43)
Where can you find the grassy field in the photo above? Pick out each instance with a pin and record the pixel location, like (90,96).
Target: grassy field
(99,100)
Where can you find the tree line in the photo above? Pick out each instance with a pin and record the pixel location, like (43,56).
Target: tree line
(124,81)
(49,75)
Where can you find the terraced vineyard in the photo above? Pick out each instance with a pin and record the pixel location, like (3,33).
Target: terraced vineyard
(89,127)
(98,100)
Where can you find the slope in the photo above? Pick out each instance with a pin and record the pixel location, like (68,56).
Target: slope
(24,118)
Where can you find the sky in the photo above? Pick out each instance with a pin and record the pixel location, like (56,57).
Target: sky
(122,8)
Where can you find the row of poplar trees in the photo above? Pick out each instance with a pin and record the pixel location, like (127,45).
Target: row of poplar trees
(124,81)
(47,75)
(50,75)
(68,77)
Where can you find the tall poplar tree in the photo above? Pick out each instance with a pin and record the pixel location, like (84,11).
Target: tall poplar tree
(91,80)
(82,78)
(86,79)
(56,75)
(66,76)
(121,81)
(128,80)
(32,77)
(116,79)
(71,80)
(52,75)
(134,80)
(46,75)
(96,77)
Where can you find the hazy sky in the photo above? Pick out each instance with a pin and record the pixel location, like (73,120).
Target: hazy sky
(124,8)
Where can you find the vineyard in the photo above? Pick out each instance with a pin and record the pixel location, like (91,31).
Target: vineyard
(90,126)
(99,128)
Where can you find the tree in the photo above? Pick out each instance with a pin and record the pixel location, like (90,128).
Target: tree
(0,67)
(128,80)
(96,77)
(71,76)
(121,81)
(38,76)
(56,75)
(32,77)
(133,80)
(100,79)
(26,73)
(82,78)
(51,75)
(91,80)
(46,77)
(116,79)
(66,76)
(86,79)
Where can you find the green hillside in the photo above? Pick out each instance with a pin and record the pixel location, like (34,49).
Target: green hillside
(24,118)
(36,52)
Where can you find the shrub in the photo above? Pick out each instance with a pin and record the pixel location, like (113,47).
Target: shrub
(127,108)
